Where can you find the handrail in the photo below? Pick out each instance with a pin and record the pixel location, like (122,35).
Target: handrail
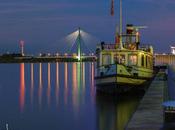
(105,66)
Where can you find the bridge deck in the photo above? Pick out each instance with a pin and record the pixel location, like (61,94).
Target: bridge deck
(29,59)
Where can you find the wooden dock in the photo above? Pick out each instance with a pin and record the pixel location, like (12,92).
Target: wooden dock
(149,114)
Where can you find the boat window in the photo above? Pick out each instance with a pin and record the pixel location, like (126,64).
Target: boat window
(142,60)
(119,59)
(132,60)
(146,61)
(106,59)
(149,62)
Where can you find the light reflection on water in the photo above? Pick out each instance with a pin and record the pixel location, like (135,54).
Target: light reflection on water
(65,82)
(74,85)
(59,96)
(78,82)
(40,84)
(22,87)
(114,112)
(48,81)
(57,84)
(32,84)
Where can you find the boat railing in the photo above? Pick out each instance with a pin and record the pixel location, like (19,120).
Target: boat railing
(106,46)
(146,47)
(106,70)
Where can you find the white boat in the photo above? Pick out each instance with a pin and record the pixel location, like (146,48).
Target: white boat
(122,68)
(126,64)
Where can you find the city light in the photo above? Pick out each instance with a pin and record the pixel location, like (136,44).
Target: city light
(78,57)
(173,50)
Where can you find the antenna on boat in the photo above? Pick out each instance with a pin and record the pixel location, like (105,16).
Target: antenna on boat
(120,27)
(118,38)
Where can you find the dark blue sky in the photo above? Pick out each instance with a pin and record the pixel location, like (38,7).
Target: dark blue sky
(42,23)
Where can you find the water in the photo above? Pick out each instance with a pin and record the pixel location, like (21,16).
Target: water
(58,96)
(171,83)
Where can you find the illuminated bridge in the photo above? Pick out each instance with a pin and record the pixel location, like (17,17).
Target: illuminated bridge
(77,38)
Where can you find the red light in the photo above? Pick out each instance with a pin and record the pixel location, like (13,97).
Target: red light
(21,42)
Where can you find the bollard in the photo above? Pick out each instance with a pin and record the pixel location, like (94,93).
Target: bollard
(7,127)
(169,111)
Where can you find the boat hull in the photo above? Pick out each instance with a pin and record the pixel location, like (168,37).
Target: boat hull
(120,83)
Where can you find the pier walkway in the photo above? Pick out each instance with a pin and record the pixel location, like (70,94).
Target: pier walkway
(149,114)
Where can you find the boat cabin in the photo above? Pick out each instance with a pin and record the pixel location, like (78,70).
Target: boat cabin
(132,53)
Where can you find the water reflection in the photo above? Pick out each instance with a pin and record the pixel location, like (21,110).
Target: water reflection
(48,86)
(40,85)
(22,87)
(83,76)
(65,82)
(57,84)
(92,83)
(74,97)
(32,83)
(78,82)
(114,112)
(74,85)
(92,72)
(79,76)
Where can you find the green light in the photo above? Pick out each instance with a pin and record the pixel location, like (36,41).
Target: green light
(79,45)
(79,75)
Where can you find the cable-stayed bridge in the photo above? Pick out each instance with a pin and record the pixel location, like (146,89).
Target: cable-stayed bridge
(78,52)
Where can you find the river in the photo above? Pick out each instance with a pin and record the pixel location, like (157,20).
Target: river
(59,96)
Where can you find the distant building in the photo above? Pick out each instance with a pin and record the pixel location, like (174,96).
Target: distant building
(173,50)
(164,58)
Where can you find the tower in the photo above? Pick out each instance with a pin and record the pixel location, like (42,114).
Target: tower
(79,44)
(21,43)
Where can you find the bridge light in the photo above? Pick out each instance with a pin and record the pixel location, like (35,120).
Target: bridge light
(173,50)
(78,57)
(57,54)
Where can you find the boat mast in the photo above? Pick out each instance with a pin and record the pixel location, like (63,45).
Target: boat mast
(121,44)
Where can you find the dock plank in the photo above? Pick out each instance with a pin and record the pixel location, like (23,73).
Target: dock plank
(149,114)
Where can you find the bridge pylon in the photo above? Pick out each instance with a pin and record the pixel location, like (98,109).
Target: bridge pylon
(79,44)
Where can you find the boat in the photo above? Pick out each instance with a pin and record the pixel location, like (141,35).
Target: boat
(125,64)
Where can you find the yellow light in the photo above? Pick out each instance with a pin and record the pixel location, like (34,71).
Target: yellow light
(137,33)
(78,57)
